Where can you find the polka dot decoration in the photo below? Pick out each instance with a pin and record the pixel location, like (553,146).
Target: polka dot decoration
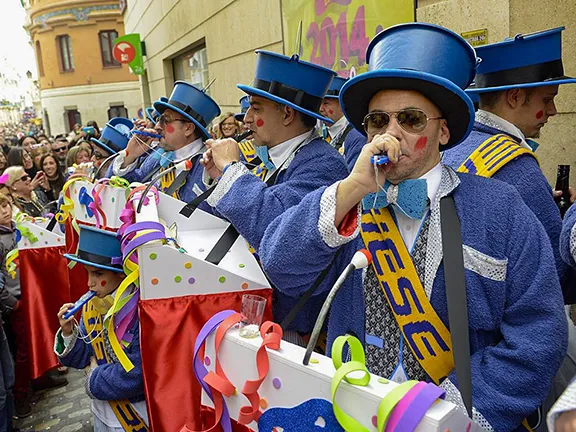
(153,256)
(374,421)
(277,383)
(241,265)
(113,199)
(154,281)
(222,279)
(188,265)
(263,403)
(314,361)
(41,233)
(177,279)
(207,361)
(191,280)
(200,250)
(244,285)
(383,381)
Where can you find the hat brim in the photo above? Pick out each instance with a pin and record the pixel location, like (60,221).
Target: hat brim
(161,107)
(455,106)
(101,266)
(239,117)
(149,114)
(331,97)
(559,81)
(257,92)
(103,146)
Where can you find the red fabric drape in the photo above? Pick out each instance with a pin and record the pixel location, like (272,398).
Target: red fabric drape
(168,330)
(45,288)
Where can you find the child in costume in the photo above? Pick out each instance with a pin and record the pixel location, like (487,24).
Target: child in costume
(117,394)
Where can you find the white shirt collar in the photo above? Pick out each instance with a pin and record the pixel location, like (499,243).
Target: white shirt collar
(281,152)
(188,150)
(336,129)
(433,179)
(490,119)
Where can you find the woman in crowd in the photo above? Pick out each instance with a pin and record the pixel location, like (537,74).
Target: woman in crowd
(37,153)
(56,180)
(31,196)
(20,157)
(77,155)
(3,162)
(26,142)
(228,127)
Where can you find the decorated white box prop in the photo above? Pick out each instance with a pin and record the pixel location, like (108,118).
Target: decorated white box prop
(45,238)
(113,202)
(166,272)
(289,383)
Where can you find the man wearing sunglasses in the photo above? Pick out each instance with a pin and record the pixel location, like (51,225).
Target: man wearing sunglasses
(60,150)
(406,212)
(516,100)
(175,162)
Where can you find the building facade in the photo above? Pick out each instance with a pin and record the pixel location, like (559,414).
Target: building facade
(202,40)
(79,79)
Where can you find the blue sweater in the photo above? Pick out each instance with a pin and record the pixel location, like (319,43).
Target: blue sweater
(250,205)
(567,250)
(109,381)
(352,147)
(187,191)
(525,175)
(518,333)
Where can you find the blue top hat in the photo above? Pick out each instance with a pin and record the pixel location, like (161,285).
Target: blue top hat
(290,81)
(192,103)
(244,105)
(334,90)
(152,114)
(115,135)
(532,60)
(426,58)
(98,248)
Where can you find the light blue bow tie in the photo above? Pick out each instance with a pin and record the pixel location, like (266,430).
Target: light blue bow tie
(533,144)
(166,157)
(409,197)
(262,152)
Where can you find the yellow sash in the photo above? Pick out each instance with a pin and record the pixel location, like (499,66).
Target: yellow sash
(492,155)
(426,334)
(124,411)
(167,180)
(249,152)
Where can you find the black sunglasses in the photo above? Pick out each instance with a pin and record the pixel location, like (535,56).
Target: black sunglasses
(412,120)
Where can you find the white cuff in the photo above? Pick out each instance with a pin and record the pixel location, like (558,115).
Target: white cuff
(69,341)
(117,164)
(228,178)
(328,230)
(207,180)
(566,402)
(573,242)
(453,395)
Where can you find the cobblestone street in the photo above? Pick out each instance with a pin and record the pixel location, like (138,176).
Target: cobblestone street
(66,409)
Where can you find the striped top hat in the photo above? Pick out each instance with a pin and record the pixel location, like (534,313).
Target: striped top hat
(291,81)
(191,102)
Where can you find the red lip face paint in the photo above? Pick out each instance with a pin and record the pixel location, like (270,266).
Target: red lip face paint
(421,143)
(103,283)
(259,122)
(169,128)
(539,114)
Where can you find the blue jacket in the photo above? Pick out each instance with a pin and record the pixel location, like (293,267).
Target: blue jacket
(518,332)
(525,175)
(151,163)
(352,147)
(250,205)
(108,381)
(567,244)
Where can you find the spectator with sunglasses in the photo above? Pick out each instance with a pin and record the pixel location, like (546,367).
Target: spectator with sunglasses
(31,196)
(60,150)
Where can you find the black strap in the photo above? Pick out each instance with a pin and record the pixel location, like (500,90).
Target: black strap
(304,299)
(456,297)
(188,110)
(177,183)
(541,72)
(340,141)
(291,94)
(189,208)
(51,224)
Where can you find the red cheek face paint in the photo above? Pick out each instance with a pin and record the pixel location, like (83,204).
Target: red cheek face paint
(421,143)
(259,122)
(169,128)
(330,112)
(103,283)
(539,114)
